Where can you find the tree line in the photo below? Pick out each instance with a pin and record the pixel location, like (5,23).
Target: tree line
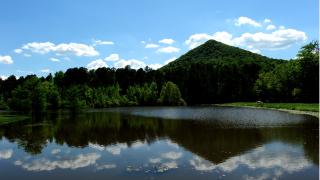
(197,82)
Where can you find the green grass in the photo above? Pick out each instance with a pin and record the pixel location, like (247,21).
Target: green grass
(6,119)
(314,107)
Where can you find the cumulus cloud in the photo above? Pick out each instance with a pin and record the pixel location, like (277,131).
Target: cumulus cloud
(279,39)
(112,57)
(246,21)
(61,49)
(99,63)
(18,51)
(54,59)
(101,42)
(169,49)
(6,59)
(172,155)
(6,154)
(43,164)
(197,39)
(45,70)
(155,66)
(271,27)
(133,63)
(151,45)
(167,41)
(267,20)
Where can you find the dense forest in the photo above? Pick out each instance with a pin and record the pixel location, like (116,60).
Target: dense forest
(211,73)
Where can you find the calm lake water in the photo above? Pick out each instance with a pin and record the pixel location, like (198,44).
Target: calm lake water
(162,143)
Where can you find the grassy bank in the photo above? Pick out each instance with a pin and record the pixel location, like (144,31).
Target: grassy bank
(312,107)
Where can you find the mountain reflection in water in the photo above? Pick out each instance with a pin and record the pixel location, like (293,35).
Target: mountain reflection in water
(142,147)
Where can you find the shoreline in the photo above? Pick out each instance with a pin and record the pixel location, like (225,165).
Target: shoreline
(311,113)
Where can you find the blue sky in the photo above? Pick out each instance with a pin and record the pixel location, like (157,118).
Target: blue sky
(42,36)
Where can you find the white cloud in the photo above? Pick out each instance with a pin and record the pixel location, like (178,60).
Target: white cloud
(166,41)
(43,164)
(6,154)
(142,42)
(18,51)
(45,70)
(170,165)
(288,159)
(155,66)
(197,39)
(137,144)
(100,42)
(97,147)
(6,59)
(245,20)
(112,57)
(169,49)
(3,77)
(282,27)
(54,59)
(200,164)
(172,144)
(133,63)
(257,51)
(151,45)
(99,63)
(223,37)
(279,39)
(172,155)
(271,27)
(61,49)
(267,21)
(116,149)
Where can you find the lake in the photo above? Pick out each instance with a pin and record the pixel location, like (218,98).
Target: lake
(161,143)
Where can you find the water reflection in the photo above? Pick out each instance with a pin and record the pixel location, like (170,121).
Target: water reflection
(145,146)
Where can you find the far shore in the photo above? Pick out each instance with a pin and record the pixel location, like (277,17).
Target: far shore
(277,106)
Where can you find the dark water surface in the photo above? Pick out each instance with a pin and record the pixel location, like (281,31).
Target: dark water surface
(162,143)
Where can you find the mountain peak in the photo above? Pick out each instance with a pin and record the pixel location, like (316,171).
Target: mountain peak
(213,50)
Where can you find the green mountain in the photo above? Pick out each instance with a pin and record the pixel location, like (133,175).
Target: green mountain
(215,72)
(219,52)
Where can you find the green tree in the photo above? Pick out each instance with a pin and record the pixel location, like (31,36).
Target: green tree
(308,57)
(170,95)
